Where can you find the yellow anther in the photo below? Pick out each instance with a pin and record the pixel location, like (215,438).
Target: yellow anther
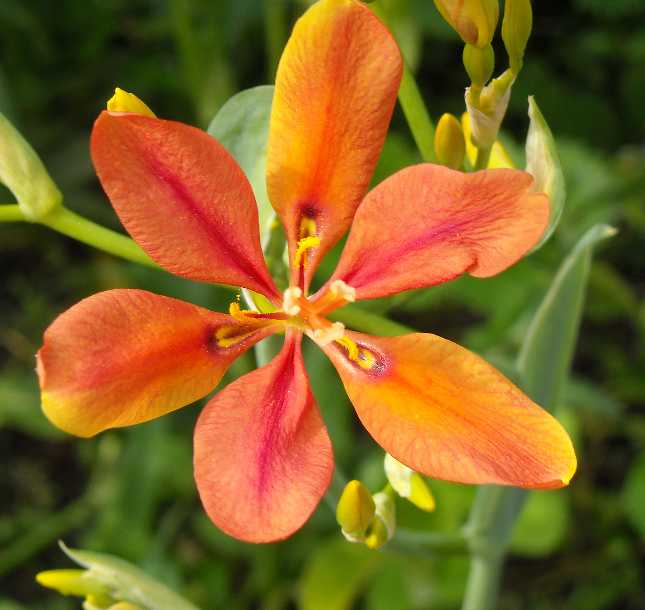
(366,359)
(227,336)
(308,227)
(350,346)
(359,355)
(123,101)
(306,243)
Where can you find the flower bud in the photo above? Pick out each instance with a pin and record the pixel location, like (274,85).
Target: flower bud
(449,144)
(408,483)
(499,157)
(516,30)
(474,20)
(479,63)
(124,606)
(71,582)
(383,525)
(487,108)
(123,101)
(24,174)
(355,510)
(543,163)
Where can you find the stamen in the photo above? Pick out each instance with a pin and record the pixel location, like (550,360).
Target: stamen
(307,227)
(325,336)
(306,243)
(227,336)
(359,355)
(350,346)
(290,301)
(338,288)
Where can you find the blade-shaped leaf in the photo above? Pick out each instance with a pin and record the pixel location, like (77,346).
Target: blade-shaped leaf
(543,365)
(543,162)
(545,357)
(242,126)
(127,582)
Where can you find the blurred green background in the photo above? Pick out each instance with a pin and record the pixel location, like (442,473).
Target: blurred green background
(130,492)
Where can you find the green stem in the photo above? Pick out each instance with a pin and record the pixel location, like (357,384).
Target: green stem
(483,583)
(417,116)
(367,322)
(436,542)
(483,157)
(10,213)
(414,108)
(71,224)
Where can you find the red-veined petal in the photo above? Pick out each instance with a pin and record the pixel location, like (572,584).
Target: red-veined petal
(336,88)
(183,198)
(428,224)
(263,458)
(122,357)
(445,412)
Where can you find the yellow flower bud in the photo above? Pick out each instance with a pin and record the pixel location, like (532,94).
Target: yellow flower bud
(24,174)
(383,525)
(71,582)
(408,484)
(124,606)
(499,157)
(122,101)
(474,20)
(479,63)
(355,510)
(516,30)
(449,145)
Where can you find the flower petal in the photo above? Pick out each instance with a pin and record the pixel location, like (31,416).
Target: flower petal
(428,224)
(263,458)
(336,88)
(122,357)
(183,198)
(445,412)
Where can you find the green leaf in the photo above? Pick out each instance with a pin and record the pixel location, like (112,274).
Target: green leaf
(542,525)
(543,366)
(543,162)
(545,357)
(242,126)
(127,582)
(336,574)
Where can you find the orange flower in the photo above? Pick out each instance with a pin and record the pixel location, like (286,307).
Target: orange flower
(263,458)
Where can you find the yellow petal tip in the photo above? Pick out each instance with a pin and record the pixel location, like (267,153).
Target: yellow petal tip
(123,101)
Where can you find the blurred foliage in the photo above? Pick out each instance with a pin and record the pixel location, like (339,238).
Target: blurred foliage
(130,492)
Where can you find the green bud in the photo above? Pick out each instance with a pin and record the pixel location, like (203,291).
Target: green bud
(355,510)
(22,171)
(479,63)
(543,163)
(516,30)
